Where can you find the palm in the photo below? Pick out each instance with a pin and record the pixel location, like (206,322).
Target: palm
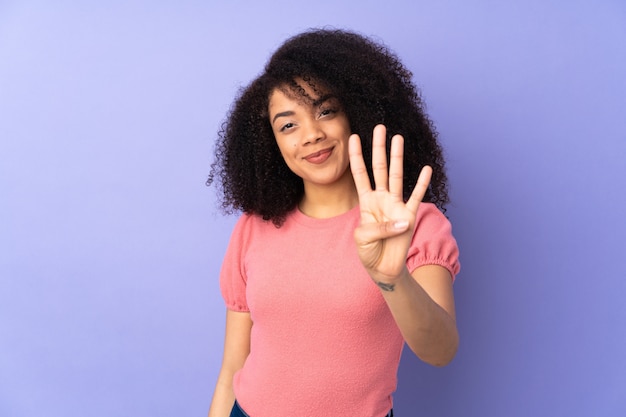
(382,248)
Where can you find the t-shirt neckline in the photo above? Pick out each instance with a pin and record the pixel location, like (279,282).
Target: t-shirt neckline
(301,218)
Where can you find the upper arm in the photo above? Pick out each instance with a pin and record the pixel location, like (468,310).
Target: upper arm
(236,340)
(437,283)
(236,350)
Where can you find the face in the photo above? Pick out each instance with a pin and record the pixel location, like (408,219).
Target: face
(312,136)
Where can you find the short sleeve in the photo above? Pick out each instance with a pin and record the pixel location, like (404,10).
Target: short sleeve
(232,275)
(433,242)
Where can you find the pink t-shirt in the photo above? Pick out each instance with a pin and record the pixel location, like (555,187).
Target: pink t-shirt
(323,341)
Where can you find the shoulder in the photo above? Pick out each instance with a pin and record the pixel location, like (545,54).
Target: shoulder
(431,223)
(249,221)
(428,214)
(433,241)
(251,228)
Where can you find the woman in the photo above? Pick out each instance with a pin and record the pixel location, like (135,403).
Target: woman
(342,254)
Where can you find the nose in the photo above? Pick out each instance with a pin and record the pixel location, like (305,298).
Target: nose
(313,133)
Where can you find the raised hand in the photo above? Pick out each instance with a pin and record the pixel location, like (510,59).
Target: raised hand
(387,222)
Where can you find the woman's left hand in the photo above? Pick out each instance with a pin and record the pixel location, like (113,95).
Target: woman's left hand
(387,222)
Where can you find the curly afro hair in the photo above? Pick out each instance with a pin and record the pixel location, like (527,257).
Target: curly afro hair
(373,88)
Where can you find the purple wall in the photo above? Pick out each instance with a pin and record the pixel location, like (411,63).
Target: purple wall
(110,244)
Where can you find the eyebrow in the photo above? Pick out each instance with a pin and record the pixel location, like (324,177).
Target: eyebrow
(315,103)
(283,114)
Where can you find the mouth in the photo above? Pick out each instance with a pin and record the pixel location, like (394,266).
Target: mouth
(319,156)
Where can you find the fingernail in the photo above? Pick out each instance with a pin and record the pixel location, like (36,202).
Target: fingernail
(400,224)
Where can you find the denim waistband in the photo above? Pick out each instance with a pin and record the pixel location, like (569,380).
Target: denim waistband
(237,411)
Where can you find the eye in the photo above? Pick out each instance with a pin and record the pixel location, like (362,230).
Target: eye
(286,126)
(327,111)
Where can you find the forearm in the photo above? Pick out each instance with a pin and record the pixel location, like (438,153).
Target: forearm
(223,398)
(236,350)
(428,329)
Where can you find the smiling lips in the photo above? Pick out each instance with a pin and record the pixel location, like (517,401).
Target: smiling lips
(320,156)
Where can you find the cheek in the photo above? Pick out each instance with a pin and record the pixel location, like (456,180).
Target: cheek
(286,146)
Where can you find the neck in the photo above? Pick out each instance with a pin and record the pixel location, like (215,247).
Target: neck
(324,201)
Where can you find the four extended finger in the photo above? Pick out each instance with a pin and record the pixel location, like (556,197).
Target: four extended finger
(391,178)
(417,195)
(396,166)
(357,165)
(379,158)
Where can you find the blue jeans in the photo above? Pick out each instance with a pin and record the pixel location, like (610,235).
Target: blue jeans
(238,412)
